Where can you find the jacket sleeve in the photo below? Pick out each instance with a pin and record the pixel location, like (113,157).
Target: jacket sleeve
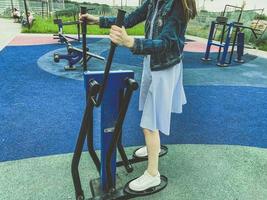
(168,38)
(130,20)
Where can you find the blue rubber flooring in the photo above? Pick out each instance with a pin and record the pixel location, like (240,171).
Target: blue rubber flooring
(40,114)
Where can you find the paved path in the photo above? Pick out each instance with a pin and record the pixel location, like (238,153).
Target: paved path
(8,30)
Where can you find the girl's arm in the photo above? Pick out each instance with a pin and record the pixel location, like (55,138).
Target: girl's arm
(130,20)
(167,39)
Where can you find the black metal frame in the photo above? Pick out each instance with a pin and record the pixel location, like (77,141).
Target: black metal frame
(131,85)
(95,96)
(85,130)
(84,32)
(94,99)
(237,7)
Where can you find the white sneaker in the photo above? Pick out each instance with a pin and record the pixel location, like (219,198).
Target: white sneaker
(142,152)
(144,182)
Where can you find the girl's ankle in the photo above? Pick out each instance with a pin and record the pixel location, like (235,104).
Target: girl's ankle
(152,172)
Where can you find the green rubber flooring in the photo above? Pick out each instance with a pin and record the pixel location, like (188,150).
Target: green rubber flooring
(195,172)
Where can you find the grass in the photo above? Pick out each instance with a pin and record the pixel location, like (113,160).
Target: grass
(263,46)
(47,26)
(197,30)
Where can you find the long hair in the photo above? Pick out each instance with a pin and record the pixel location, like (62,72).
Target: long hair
(189,8)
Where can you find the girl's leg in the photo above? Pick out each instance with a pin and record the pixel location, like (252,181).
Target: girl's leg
(153,147)
(151,177)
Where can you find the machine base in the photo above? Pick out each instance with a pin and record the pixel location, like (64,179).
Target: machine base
(163,184)
(98,193)
(122,192)
(222,65)
(206,59)
(239,61)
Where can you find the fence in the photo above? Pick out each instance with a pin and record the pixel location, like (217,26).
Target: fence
(48,7)
(198,27)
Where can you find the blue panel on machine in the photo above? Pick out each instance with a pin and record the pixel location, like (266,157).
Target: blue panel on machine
(108,112)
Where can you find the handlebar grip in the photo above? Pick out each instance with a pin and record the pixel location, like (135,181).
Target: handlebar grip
(120,17)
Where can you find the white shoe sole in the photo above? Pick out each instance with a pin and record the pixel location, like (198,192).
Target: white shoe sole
(143,189)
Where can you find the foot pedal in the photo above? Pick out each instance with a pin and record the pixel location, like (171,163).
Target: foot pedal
(149,191)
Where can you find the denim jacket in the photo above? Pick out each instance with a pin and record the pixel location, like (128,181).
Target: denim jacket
(167,43)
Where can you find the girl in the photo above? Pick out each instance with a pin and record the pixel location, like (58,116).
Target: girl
(161,91)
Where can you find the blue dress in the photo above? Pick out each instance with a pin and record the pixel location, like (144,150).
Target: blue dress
(161,93)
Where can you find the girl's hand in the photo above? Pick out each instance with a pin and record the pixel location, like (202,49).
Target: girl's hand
(119,36)
(91,19)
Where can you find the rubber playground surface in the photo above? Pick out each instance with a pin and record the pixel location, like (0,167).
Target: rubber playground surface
(217,147)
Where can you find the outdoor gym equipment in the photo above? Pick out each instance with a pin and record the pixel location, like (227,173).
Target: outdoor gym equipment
(74,55)
(231,36)
(114,104)
(61,24)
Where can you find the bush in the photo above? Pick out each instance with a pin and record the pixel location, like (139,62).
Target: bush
(67,13)
(261,17)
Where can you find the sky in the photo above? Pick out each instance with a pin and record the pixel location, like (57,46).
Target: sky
(216,5)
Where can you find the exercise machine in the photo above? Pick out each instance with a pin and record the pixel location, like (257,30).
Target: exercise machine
(113,95)
(74,55)
(231,36)
(61,24)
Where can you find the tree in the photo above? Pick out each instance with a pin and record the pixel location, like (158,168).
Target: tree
(105,9)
